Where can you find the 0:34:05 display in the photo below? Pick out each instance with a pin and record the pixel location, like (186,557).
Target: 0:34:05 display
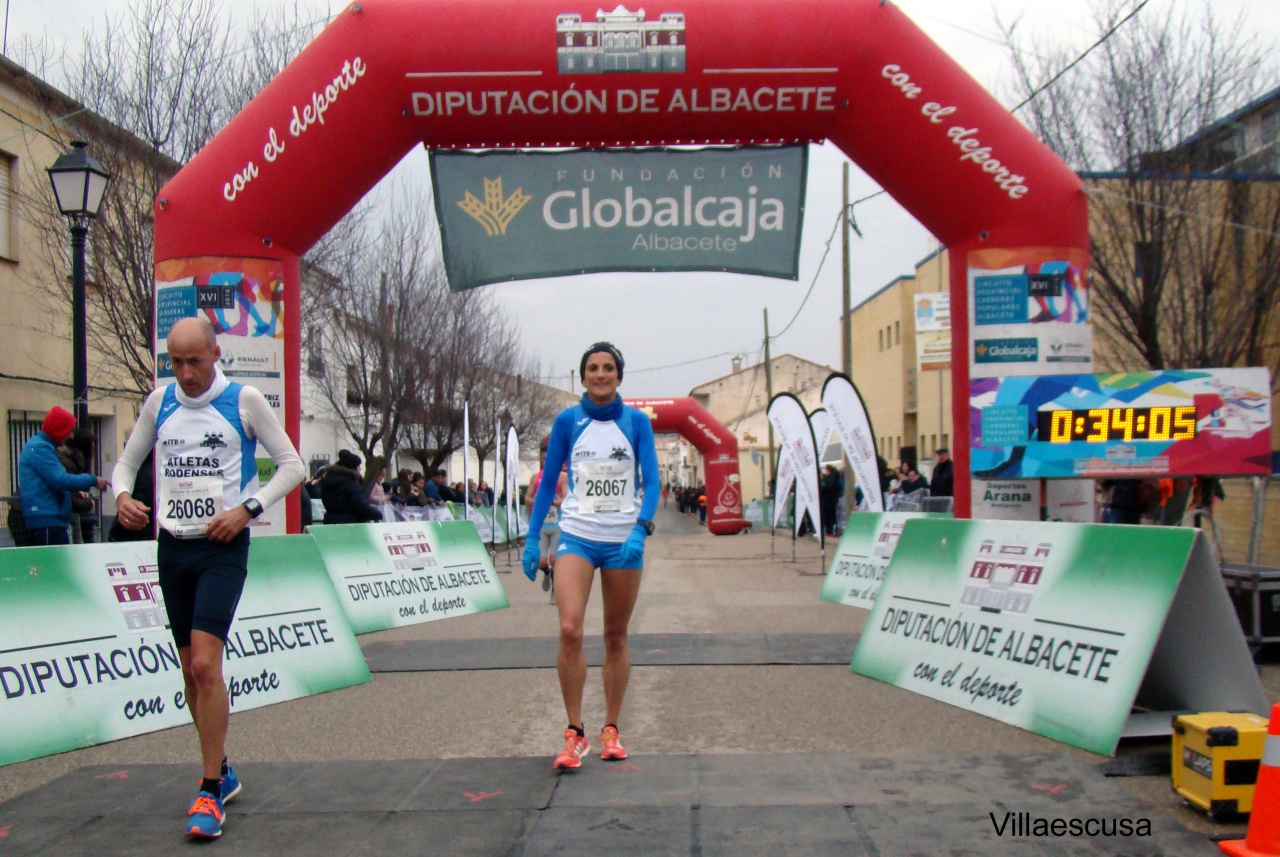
(1100,425)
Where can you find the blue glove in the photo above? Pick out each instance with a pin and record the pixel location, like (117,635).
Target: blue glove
(632,554)
(529,559)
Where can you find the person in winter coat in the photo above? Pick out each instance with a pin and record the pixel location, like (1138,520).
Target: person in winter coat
(45,484)
(342,490)
(76,455)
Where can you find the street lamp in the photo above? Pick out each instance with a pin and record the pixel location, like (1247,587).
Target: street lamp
(79,182)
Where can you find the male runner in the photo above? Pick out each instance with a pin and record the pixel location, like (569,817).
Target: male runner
(205,430)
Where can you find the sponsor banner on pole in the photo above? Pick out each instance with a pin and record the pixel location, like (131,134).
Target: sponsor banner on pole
(1052,627)
(1174,422)
(823,427)
(388,575)
(796,437)
(1029,312)
(522,215)
(849,415)
(512,474)
(782,488)
(864,552)
(86,655)
(244,301)
(933,330)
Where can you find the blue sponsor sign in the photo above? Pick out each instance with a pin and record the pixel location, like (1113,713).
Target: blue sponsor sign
(1000,299)
(1025,349)
(1005,425)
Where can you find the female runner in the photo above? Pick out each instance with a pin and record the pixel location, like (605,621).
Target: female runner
(603,524)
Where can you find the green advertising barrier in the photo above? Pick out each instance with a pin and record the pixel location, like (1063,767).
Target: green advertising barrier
(1059,628)
(865,548)
(408,572)
(86,656)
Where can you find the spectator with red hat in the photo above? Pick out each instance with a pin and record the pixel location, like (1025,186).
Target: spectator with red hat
(45,484)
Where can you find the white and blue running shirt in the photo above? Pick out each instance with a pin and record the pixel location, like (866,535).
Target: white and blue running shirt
(206,455)
(609,460)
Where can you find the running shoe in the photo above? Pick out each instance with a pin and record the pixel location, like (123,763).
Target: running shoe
(612,749)
(546,580)
(575,747)
(204,819)
(230,785)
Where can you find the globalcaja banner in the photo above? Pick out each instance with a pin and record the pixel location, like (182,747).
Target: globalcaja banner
(1172,422)
(388,575)
(244,301)
(521,215)
(86,655)
(864,552)
(1054,627)
(1029,312)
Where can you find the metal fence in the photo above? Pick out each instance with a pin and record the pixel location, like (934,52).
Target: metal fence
(13,531)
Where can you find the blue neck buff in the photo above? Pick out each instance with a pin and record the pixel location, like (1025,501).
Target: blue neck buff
(604,413)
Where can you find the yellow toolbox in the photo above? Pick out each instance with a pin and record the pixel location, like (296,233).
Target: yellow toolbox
(1215,759)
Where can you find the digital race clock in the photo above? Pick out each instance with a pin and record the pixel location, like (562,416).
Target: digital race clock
(1100,425)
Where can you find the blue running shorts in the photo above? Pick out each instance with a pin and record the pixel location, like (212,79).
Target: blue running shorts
(201,582)
(599,554)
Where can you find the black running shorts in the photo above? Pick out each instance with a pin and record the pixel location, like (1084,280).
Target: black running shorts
(202,581)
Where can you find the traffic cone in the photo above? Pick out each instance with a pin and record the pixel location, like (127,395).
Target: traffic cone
(1263,836)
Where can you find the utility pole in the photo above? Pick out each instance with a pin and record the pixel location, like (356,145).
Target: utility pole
(768,385)
(846,306)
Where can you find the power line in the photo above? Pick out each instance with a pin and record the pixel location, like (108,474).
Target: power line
(823,260)
(1105,36)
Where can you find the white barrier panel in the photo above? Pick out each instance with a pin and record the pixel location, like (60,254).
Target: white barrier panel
(86,655)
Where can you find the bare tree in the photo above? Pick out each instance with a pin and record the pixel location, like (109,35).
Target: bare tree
(373,331)
(1185,249)
(168,74)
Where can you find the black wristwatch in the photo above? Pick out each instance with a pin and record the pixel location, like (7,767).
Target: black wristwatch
(253,507)
(648,526)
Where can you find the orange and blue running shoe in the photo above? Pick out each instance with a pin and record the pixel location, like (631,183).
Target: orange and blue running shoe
(612,751)
(205,817)
(575,747)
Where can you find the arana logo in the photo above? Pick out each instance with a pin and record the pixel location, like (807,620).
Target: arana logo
(620,454)
(213,440)
(495,212)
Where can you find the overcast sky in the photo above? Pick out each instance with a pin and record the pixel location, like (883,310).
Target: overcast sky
(700,320)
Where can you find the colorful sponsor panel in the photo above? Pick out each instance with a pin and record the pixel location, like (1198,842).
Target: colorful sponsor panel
(405,573)
(1049,627)
(863,555)
(244,301)
(86,655)
(521,215)
(1171,422)
(1030,312)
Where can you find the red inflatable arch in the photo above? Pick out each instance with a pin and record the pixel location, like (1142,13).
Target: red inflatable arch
(388,75)
(719,450)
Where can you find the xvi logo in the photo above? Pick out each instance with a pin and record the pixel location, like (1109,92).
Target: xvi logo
(213,440)
(495,212)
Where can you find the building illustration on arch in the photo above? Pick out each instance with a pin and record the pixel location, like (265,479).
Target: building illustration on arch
(620,41)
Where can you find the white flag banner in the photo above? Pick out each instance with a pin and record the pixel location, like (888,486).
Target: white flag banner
(783,487)
(512,477)
(849,416)
(823,428)
(466,454)
(796,437)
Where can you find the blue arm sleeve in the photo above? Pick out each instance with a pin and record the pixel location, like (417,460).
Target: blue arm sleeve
(51,471)
(647,458)
(557,454)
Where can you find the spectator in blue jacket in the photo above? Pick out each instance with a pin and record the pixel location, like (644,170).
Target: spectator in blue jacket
(45,484)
